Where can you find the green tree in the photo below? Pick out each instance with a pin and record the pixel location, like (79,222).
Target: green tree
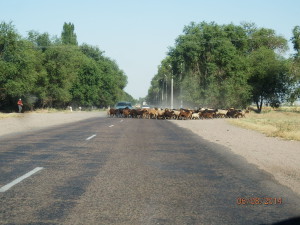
(92,52)
(19,66)
(61,64)
(296,40)
(110,79)
(269,79)
(68,35)
(225,66)
(295,65)
(212,56)
(54,72)
(88,83)
(267,38)
(41,41)
(114,81)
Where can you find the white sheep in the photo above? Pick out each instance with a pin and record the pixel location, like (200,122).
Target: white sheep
(195,116)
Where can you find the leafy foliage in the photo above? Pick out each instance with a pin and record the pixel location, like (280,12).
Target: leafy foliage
(269,77)
(53,72)
(296,39)
(225,66)
(295,65)
(68,35)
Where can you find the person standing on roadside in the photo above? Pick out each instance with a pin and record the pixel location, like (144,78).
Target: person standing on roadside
(20,105)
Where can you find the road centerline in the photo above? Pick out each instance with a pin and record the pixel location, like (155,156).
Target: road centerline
(89,138)
(18,180)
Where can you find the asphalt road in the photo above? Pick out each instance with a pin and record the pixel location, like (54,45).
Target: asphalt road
(133,171)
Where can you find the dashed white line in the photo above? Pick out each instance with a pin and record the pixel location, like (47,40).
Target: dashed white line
(111,125)
(89,138)
(18,180)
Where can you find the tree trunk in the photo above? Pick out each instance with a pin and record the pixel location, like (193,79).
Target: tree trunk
(259,104)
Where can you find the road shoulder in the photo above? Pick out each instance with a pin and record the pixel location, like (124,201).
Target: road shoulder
(35,121)
(274,155)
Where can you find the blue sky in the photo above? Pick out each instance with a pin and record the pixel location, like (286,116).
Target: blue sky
(137,33)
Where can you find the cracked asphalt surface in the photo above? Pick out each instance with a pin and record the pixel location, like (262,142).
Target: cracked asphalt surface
(135,172)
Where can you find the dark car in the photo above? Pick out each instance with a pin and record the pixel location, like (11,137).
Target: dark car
(123,105)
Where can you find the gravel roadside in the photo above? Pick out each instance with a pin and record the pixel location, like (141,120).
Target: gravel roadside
(35,121)
(276,156)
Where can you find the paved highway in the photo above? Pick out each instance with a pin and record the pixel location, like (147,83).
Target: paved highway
(131,171)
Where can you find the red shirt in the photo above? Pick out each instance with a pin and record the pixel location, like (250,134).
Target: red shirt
(20,102)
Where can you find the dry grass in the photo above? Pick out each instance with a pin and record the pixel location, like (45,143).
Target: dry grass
(50,110)
(283,123)
(8,115)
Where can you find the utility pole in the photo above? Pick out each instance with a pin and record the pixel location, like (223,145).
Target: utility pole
(172,92)
(162,90)
(162,93)
(181,71)
(166,88)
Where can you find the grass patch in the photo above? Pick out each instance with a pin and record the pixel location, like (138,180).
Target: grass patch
(9,115)
(274,123)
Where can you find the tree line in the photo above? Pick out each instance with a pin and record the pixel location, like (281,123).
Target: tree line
(50,71)
(224,66)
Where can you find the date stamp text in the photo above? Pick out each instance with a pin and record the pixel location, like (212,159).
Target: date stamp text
(259,201)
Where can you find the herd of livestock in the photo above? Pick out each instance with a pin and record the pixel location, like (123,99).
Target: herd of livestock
(181,114)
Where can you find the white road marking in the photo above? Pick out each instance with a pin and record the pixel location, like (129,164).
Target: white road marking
(89,138)
(111,125)
(18,180)
(121,121)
